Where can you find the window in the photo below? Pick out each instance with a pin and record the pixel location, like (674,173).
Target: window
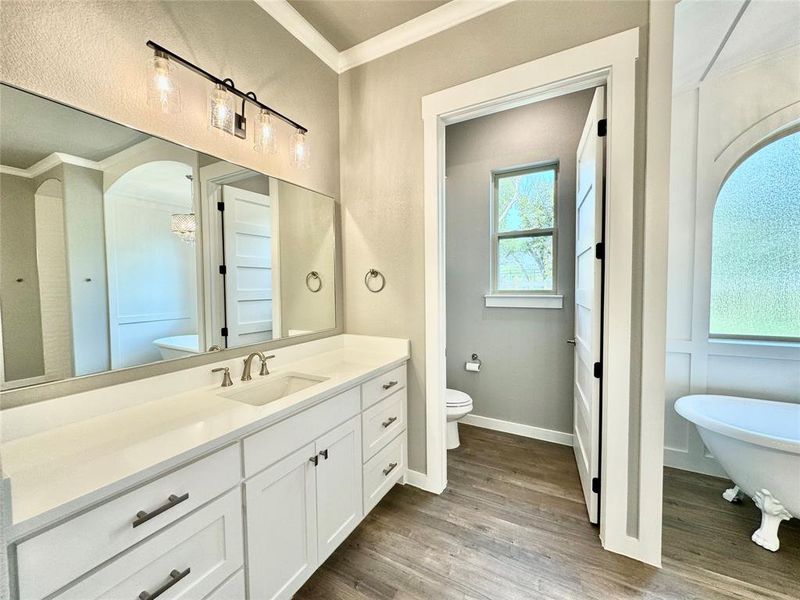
(755,252)
(524,230)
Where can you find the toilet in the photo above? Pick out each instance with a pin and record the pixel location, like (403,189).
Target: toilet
(459,405)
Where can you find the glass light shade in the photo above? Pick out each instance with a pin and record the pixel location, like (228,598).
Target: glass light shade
(221,109)
(300,151)
(184,226)
(265,134)
(163,92)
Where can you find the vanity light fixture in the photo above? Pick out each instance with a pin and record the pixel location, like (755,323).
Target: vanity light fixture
(299,150)
(222,114)
(265,134)
(163,91)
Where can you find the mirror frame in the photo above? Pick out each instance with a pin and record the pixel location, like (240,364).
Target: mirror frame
(47,391)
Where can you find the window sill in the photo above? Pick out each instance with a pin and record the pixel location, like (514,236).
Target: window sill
(763,343)
(524,301)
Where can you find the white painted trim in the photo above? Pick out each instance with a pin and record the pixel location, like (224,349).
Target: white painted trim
(285,14)
(48,162)
(430,23)
(528,431)
(418,480)
(681,459)
(610,61)
(524,300)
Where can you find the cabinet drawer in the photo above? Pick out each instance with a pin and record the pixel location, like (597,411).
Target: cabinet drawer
(267,447)
(233,589)
(383,470)
(52,559)
(381,386)
(186,561)
(381,423)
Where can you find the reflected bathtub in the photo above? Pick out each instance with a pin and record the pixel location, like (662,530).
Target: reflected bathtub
(757,442)
(178,346)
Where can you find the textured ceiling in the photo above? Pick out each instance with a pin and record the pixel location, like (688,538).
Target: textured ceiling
(345,23)
(32,128)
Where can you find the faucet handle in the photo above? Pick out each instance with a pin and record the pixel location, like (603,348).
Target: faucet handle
(226,378)
(264,369)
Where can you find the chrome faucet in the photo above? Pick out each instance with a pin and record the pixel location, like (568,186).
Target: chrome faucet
(249,361)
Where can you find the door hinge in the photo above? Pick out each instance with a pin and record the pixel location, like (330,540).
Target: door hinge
(599,251)
(598,370)
(223,270)
(220,206)
(602,128)
(224,332)
(596,485)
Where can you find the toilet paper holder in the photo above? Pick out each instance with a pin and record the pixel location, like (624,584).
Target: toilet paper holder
(474,364)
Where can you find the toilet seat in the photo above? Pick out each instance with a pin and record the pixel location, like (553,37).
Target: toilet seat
(455,398)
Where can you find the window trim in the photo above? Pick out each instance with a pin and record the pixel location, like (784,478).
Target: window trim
(495,236)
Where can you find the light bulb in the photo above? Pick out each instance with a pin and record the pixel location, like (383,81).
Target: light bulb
(221,109)
(300,152)
(265,135)
(163,92)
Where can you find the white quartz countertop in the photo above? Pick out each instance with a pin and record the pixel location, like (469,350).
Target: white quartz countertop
(58,471)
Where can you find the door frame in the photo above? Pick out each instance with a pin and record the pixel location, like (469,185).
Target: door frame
(609,62)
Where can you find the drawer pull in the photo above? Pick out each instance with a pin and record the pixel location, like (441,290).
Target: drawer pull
(391,384)
(174,577)
(143,516)
(390,468)
(389,421)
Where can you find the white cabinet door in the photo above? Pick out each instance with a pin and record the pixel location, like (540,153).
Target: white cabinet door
(339,496)
(282,526)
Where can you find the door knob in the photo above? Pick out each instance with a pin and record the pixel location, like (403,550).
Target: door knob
(571,341)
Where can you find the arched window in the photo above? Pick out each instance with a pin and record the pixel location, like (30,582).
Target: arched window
(755,255)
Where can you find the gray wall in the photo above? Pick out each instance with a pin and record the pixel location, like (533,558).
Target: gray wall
(526,376)
(381,155)
(23,354)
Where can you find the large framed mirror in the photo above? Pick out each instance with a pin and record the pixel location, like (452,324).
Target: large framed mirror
(118,249)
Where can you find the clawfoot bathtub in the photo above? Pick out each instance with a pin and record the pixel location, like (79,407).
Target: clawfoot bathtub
(757,442)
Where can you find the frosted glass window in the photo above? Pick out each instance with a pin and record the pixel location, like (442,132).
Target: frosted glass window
(755,265)
(524,230)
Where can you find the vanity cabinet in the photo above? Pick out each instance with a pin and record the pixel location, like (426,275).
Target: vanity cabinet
(289,494)
(300,509)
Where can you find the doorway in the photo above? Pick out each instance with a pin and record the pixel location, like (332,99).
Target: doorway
(608,62)
(523,282)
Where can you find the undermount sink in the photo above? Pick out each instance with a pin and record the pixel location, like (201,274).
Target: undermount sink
(273,387)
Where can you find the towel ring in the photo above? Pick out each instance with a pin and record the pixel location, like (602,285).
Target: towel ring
(309,277)
(373,273)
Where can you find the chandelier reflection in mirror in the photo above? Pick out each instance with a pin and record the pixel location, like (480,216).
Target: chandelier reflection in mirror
(184,225)
(163,94)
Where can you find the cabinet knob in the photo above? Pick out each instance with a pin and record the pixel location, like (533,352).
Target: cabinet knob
(324,454)
(314,460)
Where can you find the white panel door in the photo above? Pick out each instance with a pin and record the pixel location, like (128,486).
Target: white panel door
(282,526)
(247,238)
(588,313)
(339,495)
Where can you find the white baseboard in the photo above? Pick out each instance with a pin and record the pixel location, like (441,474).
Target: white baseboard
(420,480)
(680,459)
(529,431)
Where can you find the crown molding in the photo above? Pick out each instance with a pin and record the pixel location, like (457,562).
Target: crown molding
(48,162)
(430,23)
(285,14)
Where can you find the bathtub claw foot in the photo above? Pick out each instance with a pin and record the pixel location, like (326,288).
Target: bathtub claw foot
(733,495)
(772,513)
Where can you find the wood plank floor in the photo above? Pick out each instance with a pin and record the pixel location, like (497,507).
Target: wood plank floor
(512,524)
